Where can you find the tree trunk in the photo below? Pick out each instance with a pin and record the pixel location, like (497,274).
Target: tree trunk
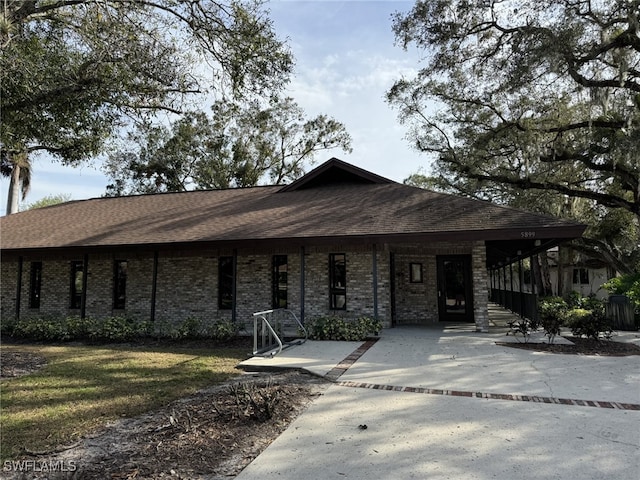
(565,271)
(546,289)
(13,197)
(536,276)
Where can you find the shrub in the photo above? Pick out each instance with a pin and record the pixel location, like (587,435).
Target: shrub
(524,327)
(589,323)
(628,285)
(7,325)
(114,329)
(82,328)
(337,328)
(222,330)
(162,329)
(50,329)
(553,313)
(190,328)
(120,329)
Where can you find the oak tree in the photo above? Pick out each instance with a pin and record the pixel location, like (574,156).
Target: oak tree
(524,99)
(239,145)
(75,71)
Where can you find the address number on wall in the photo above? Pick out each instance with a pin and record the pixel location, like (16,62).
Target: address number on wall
(528,234)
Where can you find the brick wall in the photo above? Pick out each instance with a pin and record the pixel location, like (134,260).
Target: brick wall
(99,299)
(359,287)
(139,285)
(186,287)
(480,287)
(8,287)
(416,302)
(187,283)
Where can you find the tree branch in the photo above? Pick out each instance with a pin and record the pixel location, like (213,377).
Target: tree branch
(606,199)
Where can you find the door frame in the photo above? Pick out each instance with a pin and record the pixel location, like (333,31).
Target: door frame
(443,315)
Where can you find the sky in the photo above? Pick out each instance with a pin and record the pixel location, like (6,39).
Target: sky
(346,60)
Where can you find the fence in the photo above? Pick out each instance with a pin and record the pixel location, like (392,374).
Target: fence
(523,304)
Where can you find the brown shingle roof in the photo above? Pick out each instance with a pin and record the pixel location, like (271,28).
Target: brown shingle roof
(382,211)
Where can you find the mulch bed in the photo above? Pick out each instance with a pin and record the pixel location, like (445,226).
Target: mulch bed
(582,346)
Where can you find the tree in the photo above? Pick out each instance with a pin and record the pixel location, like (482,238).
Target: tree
(539,97)
(50,200)
(236,147)
(75,71)
(18,169)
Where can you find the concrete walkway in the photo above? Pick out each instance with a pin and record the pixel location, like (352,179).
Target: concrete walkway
(448,403)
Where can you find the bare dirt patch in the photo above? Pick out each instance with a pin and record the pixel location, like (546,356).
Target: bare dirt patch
(211,435)
(16,364)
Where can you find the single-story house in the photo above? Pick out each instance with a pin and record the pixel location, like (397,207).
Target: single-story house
(339,240)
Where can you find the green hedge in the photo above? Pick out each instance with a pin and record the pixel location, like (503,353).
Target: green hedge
(337,328)
(114,329)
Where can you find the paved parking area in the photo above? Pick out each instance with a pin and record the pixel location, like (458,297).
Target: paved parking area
(451,404)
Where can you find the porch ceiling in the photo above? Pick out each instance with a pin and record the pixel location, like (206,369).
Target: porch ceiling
(505,252)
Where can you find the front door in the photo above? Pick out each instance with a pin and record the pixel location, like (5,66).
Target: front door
(455,293)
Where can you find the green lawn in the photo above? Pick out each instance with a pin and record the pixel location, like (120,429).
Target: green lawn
(83,387)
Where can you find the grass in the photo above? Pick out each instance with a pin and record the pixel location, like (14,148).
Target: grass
(82,388)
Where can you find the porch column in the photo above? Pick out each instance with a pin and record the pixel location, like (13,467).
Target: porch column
(19,287)
(154,286)
(302,268)
(234,287)
(506,303)
(83,298)
(533,276)
(392,287)
(375,281)
(480,279)
(513,301)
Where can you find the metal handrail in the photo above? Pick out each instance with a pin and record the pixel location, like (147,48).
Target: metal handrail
(270,333)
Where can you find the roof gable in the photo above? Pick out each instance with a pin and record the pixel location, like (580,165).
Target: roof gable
(335,172)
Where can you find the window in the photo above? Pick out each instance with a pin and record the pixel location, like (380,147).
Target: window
(415,272)
(279,281)
(338,281)
(35,284)
(225,283)
(580,276)
(119,284)
(77,280)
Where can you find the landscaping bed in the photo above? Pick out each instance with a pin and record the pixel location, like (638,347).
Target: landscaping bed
(582,346)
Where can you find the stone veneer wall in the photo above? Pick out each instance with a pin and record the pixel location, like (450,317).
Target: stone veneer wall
(187,283)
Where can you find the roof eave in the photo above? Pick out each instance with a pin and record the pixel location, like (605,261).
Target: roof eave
(557,233)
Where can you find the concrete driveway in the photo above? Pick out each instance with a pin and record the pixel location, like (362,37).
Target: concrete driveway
(451,404)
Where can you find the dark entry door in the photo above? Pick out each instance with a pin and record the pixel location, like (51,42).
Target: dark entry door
(455,293)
